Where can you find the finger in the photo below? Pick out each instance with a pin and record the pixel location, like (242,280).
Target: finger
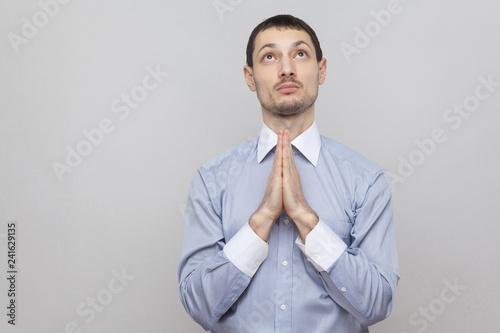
(277,157)
(285,150)
(276,171)
(287,159)
(292,159)
(289,151)
(279,150)
(290,155)
(277,145)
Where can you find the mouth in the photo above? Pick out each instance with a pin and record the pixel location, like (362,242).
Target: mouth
(287,88)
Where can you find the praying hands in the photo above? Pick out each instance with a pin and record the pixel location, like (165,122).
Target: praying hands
(283,192)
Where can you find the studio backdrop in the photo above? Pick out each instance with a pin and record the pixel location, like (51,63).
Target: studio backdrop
(107,109)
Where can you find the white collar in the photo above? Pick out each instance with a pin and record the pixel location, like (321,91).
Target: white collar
(308,143)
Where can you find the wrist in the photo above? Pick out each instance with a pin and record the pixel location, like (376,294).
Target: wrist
(261,223)
(305,222)
(306,217)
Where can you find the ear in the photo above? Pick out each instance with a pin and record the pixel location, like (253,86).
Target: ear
(248,72)
(322,71)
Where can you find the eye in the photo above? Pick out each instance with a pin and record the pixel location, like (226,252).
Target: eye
(301,54)
(268,57)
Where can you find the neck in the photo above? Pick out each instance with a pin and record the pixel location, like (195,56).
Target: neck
(296,125)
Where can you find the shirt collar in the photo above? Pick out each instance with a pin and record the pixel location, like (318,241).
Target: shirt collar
(308,143)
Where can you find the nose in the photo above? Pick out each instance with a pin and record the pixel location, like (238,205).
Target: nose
(287,68)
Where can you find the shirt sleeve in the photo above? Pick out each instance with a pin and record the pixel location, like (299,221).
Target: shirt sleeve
(322,247)
(210,282)
(363,278)
(246,250)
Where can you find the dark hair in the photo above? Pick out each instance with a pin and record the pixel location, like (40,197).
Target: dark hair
(282,21)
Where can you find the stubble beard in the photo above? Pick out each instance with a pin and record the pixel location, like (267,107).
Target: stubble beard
(287,109)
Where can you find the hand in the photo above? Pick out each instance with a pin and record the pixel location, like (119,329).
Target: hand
(283,191)
(272,203)
(294,201)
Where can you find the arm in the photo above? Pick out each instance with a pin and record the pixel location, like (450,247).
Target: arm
(214,274)
(210,283)
(363,277)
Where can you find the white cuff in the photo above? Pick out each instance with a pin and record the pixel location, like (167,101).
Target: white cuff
(246,250)
(323,247)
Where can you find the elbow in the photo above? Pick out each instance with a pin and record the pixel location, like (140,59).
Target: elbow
(377,312)
(207,323)
(381,306)
(195,311)
(372,319)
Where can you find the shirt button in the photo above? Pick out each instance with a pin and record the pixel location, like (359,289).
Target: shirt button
(316,256)
(285,263)
(344,289)
(283,307)
(257,263)
(286,221)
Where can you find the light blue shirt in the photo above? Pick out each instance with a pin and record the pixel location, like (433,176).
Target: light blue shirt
(342,278)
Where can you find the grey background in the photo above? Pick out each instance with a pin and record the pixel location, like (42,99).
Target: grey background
(122,206)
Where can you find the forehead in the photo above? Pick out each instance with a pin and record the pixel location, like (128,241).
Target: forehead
(282,38)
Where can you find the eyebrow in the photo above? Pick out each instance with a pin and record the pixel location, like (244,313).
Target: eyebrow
(273,45)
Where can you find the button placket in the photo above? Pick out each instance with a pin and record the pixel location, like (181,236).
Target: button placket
(285,279)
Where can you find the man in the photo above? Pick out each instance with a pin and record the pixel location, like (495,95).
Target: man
(290,232)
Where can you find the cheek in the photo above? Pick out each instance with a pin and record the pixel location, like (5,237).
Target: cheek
(312,78)
(263,76)
(310,83)
(262,82)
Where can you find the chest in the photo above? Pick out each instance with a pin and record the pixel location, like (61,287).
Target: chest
(325,191)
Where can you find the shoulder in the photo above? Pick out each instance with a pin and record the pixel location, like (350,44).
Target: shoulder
(349,159)
(356,172)
(218,172)
(238,154)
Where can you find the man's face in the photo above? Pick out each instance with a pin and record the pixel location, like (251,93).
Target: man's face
(285,73)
